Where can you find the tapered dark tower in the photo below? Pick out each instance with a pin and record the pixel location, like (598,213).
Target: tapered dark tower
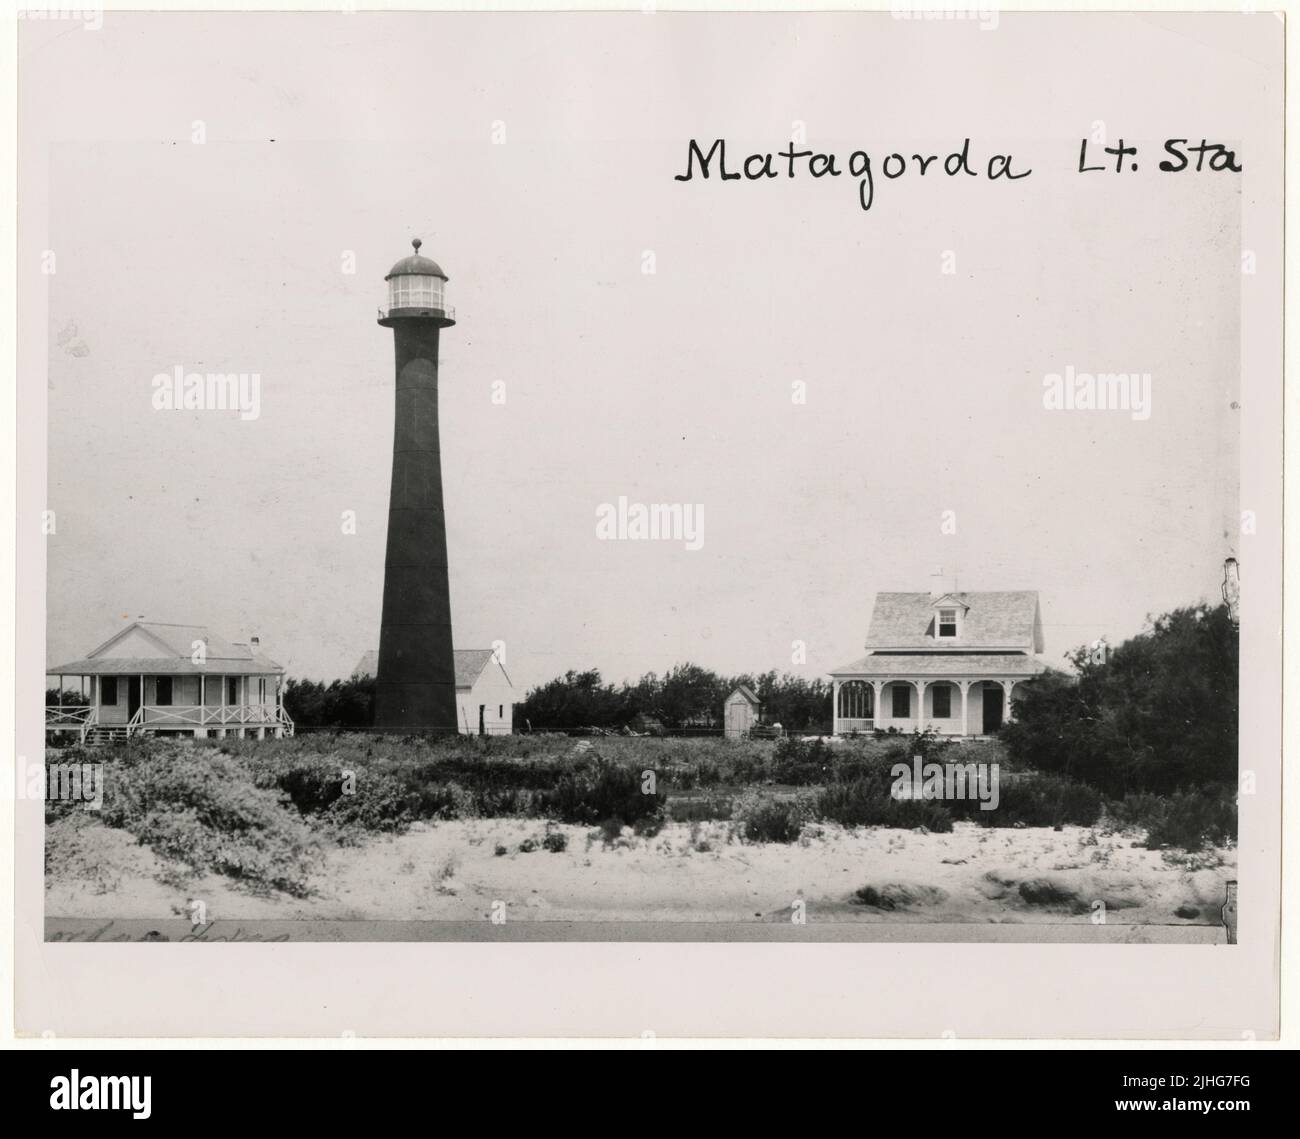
(416,685)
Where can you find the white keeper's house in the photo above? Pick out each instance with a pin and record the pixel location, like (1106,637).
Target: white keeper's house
(485,696)
(153,678)
(945,661)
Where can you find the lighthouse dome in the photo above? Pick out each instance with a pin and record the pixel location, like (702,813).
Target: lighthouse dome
(416,266)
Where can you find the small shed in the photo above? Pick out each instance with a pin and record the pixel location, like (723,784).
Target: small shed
(740,712)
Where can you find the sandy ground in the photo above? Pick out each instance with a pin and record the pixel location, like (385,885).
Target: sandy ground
(451,872)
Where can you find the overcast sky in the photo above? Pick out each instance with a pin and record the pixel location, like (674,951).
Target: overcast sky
(535,157)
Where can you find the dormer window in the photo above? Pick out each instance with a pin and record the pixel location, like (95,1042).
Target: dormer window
(946,626)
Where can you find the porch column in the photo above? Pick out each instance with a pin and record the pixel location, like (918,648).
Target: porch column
(921,686)
(877,702)
(1007,685)
(835,707)
(965,706)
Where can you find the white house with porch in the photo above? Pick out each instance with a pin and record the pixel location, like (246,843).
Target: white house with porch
(158,679)
(942,661)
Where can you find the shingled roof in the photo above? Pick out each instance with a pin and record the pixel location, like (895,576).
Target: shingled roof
(173,654)
(470,664)
(992,620)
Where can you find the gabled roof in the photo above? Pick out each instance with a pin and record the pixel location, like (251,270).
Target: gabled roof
(172,650)
(949,601)
(470,664)
(747,692)
(993,620)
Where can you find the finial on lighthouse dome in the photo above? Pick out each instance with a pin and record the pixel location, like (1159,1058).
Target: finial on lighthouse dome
(416,243)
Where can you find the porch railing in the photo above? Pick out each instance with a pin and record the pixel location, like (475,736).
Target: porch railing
(204,715)
(79,718)
(855,724)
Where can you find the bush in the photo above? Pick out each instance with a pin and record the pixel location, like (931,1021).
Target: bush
(203,810)
(762,818)
(800,762)
(1036,800)
(603,790)
(867,802)
(1160,713)
(556,841)
(377,802)
(1189,820)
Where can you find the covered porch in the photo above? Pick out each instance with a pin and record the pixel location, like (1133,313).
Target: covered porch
(102,706)
(962,706)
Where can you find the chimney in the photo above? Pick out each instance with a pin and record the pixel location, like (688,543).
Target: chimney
(938,586)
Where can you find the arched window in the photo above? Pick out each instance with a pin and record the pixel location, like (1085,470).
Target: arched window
(857,700)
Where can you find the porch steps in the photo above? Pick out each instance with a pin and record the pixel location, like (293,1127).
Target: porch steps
(104,734)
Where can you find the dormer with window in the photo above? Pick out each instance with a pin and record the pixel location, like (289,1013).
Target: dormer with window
(949,612)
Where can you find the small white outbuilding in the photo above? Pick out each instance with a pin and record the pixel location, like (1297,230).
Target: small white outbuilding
(740,712)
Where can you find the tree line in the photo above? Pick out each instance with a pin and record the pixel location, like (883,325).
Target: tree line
(687,697)
(1158,713)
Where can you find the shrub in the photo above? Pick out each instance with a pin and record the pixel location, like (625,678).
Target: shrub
(603,790)
(203,810)
(868,802)
(1189,820)
(1036,800)
(1159,713)
(377,802)
(800,762)
(610,829)
(762,818)
(555,841)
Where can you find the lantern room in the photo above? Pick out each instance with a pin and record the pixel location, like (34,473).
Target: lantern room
(417,291)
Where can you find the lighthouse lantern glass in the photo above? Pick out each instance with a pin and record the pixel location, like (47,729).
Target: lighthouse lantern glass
(415,291)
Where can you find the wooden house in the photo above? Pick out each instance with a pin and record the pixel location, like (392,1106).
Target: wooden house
(153,678)
(947,662)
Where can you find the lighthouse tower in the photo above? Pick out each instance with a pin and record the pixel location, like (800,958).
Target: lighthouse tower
(416,683)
